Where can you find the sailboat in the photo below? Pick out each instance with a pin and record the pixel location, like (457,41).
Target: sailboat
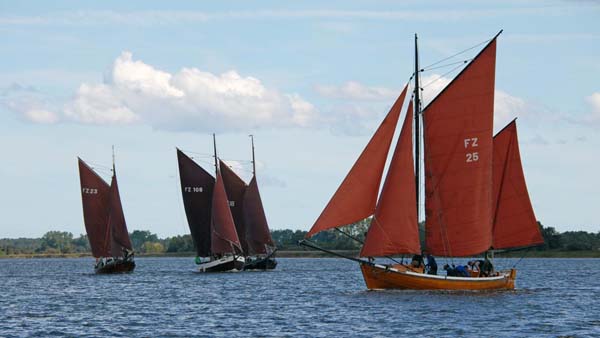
(249,218)
(261,248)
(476,197)
(209,216)
(105,221)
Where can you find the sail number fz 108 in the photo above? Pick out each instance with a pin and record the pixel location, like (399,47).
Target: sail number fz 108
(193,189)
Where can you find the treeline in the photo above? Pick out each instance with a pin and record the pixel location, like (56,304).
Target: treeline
(145,242)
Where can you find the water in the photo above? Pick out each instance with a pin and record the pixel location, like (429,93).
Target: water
(303,297)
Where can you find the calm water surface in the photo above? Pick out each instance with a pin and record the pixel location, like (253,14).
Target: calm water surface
(303,297)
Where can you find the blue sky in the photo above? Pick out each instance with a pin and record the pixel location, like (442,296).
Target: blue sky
(310,80)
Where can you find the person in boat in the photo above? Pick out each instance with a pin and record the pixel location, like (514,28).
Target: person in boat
(431,264)
(450,271)
(486,267)
(417,261)
(462,271)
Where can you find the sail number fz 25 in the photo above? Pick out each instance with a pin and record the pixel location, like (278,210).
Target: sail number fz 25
(89,191)
(193,189)
(470,143)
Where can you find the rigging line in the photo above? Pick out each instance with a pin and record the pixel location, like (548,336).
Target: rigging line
(447,65)
(361,242)
(197,153)
(232,159)
(442,76)
(461,52)
(520,259)
(348,235)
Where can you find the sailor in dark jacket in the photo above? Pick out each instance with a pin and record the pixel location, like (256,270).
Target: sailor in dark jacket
(431,264)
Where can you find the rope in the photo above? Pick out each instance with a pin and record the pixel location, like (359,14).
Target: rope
(442,76)
(520,259)
(461,52)
(447,65)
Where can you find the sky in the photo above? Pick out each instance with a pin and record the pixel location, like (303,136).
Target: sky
(310,80)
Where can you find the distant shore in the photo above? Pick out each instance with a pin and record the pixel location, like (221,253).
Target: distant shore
(319,254)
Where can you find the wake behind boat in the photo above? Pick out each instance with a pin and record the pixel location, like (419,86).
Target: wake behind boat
(105,222)
(475,192)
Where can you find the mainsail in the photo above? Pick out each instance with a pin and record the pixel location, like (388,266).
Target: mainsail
(119,237)
(224,238)
(458,161)
(197,191)
(514,221)
(356,197)
(257,228)
(235,188)
(394,228)
(95,198)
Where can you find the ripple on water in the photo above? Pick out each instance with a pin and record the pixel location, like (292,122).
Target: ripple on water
(303,297)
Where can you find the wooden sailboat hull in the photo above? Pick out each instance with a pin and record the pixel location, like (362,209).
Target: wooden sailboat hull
(117,266)
(266,263)
(223,264)
(379,277)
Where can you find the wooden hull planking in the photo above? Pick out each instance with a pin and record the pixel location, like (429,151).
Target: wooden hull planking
(116,267)
(224,264)
(261,264)
(378,277)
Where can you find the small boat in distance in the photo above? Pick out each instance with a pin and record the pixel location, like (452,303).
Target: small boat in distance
(105,221)
(209,217)
(476,197)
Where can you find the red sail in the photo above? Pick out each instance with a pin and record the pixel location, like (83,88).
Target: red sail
(116,221)
(258,234)
(94,196)
(458,161)
(515,224)
(394,228)
(223,235)
(197,191)
(235,188)
(356,197)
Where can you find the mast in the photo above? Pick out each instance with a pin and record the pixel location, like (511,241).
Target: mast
(215,149)
(417,128)
(113,159)
(253,160)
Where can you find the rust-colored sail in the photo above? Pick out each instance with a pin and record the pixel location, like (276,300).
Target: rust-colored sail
(119,237)
(94,196)
(197,191)
(224,238)
(514,224)
(235,188)
(394,228)
(458,161)
(356,197)
(257,228)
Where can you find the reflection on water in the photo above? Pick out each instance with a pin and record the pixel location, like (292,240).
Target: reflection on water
(303,297)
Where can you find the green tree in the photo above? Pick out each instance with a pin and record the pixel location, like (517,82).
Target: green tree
(180,244)
(57,242)
(81,244)
(139,237)
(152,247)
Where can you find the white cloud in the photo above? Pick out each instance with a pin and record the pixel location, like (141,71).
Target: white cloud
(354,90)
(190,99)
(41,116)
(594,102)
